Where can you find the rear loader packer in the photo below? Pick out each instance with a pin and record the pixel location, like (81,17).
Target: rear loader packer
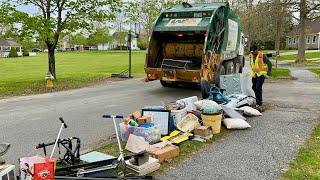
(194,44)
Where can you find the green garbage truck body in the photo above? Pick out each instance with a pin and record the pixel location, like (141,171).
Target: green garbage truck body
(194,43)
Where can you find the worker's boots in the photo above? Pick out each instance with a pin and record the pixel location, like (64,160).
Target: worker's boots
(259,108)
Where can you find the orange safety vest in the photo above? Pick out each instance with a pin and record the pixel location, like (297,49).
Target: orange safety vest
(258,67)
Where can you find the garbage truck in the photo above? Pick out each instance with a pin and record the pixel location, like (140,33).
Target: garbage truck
(194,43)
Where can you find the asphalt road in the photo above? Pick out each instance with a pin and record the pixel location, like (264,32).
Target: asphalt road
(27,121)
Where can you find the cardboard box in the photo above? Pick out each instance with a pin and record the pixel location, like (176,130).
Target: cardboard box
(165,153)
(144,119)
(203,131)
(135,115)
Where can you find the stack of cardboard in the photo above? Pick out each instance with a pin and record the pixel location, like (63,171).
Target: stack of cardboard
(146,168)
(166,152)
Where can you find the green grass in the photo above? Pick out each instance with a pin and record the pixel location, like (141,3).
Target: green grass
(278,73)
(307,163)
(315,70)
(25,75)
(187,149)
(311,55)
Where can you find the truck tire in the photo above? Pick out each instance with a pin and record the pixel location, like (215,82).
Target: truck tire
(231,66)
(240,64)
(221,71)
(166,84)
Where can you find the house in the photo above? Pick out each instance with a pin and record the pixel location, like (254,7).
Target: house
(104,46)
(7,45)
(312,38)
(124,41)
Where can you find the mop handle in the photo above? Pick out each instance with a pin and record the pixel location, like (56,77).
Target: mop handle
(55,144)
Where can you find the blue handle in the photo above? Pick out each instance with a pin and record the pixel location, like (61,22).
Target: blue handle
(109,116)
(62,121)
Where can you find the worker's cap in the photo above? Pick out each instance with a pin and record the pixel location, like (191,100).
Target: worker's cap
(253,48)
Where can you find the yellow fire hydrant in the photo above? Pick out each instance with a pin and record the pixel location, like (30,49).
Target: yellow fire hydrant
(49,78)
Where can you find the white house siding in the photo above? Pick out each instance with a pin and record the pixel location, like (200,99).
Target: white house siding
(312,41)
(104,46)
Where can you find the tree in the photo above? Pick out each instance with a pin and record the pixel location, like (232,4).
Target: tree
(308,10)
(145,12)
(120,38)
(57,16)
(79,39)
(100,35)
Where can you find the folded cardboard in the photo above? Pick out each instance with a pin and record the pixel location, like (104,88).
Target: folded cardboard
(203,131)
(166,153)
(135,115)
(136,144)
(148,167)
(144,119)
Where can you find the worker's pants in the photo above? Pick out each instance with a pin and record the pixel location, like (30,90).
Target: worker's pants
(257,83)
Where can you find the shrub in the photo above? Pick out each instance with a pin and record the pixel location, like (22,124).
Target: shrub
(13,52)
(142,44)
(25,52)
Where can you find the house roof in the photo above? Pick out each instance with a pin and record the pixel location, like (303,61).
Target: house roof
(10,43)
(312,28)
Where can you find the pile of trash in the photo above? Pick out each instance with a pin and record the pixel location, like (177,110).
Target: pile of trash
(157,131)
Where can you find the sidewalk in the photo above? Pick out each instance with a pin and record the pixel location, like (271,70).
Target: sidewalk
(263,151)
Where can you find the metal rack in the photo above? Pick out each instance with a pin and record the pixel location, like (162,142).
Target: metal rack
(175,64)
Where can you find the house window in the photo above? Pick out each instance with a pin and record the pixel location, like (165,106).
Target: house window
(308,39)
(289,40)
(314,39)
(294,40)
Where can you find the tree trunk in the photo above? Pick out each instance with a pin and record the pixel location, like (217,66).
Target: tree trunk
(52,62)
(302,35)
(278,27)
(250,11)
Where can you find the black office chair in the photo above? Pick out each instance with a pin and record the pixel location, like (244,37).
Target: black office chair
(4,147)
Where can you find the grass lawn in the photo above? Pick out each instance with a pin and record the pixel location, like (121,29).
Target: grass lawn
(311,55)
(307,163)
(25,75)
(315,70)
(280,73)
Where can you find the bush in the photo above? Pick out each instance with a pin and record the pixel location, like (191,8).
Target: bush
(142,44)
(25,52)
(13,53)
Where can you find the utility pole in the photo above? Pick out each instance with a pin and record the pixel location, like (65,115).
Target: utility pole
(129,46)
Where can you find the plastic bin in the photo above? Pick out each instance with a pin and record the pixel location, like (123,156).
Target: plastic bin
(212,120)
(188,123)
(151,135)
(178,115)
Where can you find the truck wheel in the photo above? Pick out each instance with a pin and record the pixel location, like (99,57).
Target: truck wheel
(231,67)
(166,84)
(221,71)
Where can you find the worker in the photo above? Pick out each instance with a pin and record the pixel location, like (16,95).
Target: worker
(261,68)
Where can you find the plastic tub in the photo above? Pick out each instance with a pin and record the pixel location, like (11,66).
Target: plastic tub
(151,134)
